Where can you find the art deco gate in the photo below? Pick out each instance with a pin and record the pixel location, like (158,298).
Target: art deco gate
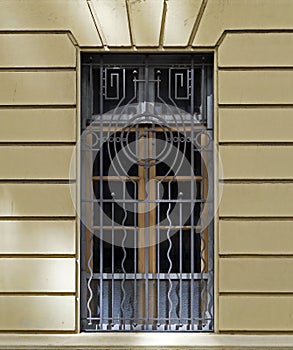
(147,196)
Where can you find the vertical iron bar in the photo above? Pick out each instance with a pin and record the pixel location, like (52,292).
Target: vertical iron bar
(113,260)
(202,301)
(210,102)
(85,108)
(202,241)
(90,245)
(135,255)
(203,93)
(211,190)
(180,258)
(91,241)
(147,206)
(101,192)
(83,313)
(124,258)
(158,254)
(147,251)
(192,247)
(168,255)
(135,233)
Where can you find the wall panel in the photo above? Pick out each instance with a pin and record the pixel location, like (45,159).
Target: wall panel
(37,313)
(255,87)
(36,50)
(256,275)
(221,15)
(255,124)
(255,237)
(37,88)
(257,162)
(37,125)
(18,199)
(145,20)
(37,237)
(255,313)
(36,162)
(42,275)
(184,14)
(108,12)
(257,199)
(256,50)
(50,15)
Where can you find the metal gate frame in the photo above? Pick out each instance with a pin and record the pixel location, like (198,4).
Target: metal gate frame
(96,127)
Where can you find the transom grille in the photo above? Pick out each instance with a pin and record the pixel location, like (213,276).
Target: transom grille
(146,194)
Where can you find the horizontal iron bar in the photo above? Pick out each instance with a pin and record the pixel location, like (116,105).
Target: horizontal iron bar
(145,201)
(155,325)
(136,228)
(141,64)
(137,178)
(142,276)
(149,319)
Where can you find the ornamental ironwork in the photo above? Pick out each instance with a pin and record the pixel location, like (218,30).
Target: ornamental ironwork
(147,193)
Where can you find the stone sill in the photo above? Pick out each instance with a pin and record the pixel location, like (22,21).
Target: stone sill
(145,340)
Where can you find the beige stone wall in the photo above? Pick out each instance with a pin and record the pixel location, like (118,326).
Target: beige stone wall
(37,218)
(40,42)
(255,254)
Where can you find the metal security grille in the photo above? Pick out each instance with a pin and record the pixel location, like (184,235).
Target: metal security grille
(147,193)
